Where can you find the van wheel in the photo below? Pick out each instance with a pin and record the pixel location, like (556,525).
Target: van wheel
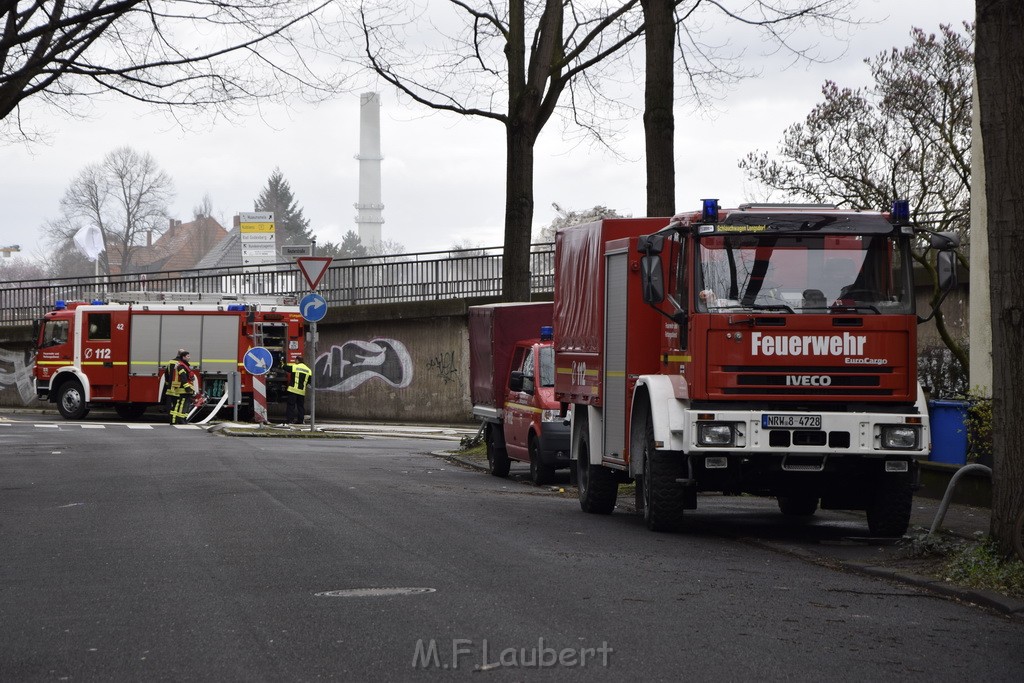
(598,486)
(540,473)
(498,463)
(891,504)
(71,401)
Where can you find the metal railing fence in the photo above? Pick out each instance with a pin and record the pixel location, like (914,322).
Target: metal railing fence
(424,276)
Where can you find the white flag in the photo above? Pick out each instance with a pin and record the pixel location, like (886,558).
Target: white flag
(89,241)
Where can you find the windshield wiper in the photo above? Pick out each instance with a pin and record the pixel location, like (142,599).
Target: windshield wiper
(771,307)
(856,307)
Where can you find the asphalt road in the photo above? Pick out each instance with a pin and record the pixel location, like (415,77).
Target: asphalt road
(135,553)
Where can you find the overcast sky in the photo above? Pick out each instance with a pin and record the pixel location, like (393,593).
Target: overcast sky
(442,175)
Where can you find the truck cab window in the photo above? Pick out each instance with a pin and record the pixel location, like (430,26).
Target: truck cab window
(99,327)
(547,366)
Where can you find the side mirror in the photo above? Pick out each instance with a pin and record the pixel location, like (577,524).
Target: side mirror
(651,279)
(944,240)
(945,264)
(515,381)
(650,244)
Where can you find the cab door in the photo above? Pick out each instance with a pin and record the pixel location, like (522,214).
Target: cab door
(104,354)
(517,407)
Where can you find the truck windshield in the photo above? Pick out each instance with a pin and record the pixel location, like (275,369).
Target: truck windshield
(55,333)
(804,274)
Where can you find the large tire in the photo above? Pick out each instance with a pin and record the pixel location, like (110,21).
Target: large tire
(540,473)
(498,463)
(71,401)
(889,510)
(663,496)
(797,506)
(130,411)
(598,486)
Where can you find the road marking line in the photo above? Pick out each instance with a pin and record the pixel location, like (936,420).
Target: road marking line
(48,426)
(139,426)
(93,426)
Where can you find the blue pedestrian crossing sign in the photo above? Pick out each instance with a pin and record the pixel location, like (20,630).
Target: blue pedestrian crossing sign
(313,307)
(258,360)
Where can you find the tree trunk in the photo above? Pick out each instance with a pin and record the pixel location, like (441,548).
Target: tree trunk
(659,123)
(999,61)
(515,266)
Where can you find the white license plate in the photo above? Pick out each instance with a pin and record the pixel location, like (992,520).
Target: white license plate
(791,421)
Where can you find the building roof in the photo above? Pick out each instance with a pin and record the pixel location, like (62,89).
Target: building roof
(180,247)
(225,254)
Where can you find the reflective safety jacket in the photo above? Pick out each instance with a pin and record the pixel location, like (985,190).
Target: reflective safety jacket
(299,378)
(170,371)
(179,373)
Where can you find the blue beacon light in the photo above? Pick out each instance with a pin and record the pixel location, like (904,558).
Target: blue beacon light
(547,333)
(709,211)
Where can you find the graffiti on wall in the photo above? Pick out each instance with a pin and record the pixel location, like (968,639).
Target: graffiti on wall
(444,365)
(16,372)
(345,367)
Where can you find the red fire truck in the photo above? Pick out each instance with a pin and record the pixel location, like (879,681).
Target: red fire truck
(768,350)
(113,351)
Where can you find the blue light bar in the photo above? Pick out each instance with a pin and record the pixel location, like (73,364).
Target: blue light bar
(60,305)
(709,211)
(900,211)
(98,302)
(547,333)
(236,307)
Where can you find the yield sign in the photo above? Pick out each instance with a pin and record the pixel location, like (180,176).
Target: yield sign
(313,268)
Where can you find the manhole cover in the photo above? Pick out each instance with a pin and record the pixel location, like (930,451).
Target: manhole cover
(373,592)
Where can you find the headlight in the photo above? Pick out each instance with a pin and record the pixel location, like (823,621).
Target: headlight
(714,434)
(896,437)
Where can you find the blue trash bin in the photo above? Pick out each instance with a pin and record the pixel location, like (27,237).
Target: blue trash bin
(949,431)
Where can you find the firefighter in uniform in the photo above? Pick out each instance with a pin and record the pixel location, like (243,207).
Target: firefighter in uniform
(181,388)
(298,379)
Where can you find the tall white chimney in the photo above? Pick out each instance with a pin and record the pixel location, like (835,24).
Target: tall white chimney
(370,207)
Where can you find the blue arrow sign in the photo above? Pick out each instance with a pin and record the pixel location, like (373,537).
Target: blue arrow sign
(257,360)
(313,307)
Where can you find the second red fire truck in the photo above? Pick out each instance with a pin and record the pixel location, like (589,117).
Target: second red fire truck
(112,352)
(768,350)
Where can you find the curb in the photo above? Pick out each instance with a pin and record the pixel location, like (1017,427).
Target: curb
(1008,606)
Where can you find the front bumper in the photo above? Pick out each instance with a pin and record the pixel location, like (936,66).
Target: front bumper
(554,443)
(856,434)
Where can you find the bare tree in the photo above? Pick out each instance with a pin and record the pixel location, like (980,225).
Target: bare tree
(909,136)
(511,63)
(999,61)
(204,209)
(515,62)
(125,196)
(202,55)
(709,66)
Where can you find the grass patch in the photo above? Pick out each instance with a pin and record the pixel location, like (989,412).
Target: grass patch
(981,565)
(476,449)
(969,563)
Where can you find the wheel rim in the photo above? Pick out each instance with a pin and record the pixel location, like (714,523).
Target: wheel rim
(71,400)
